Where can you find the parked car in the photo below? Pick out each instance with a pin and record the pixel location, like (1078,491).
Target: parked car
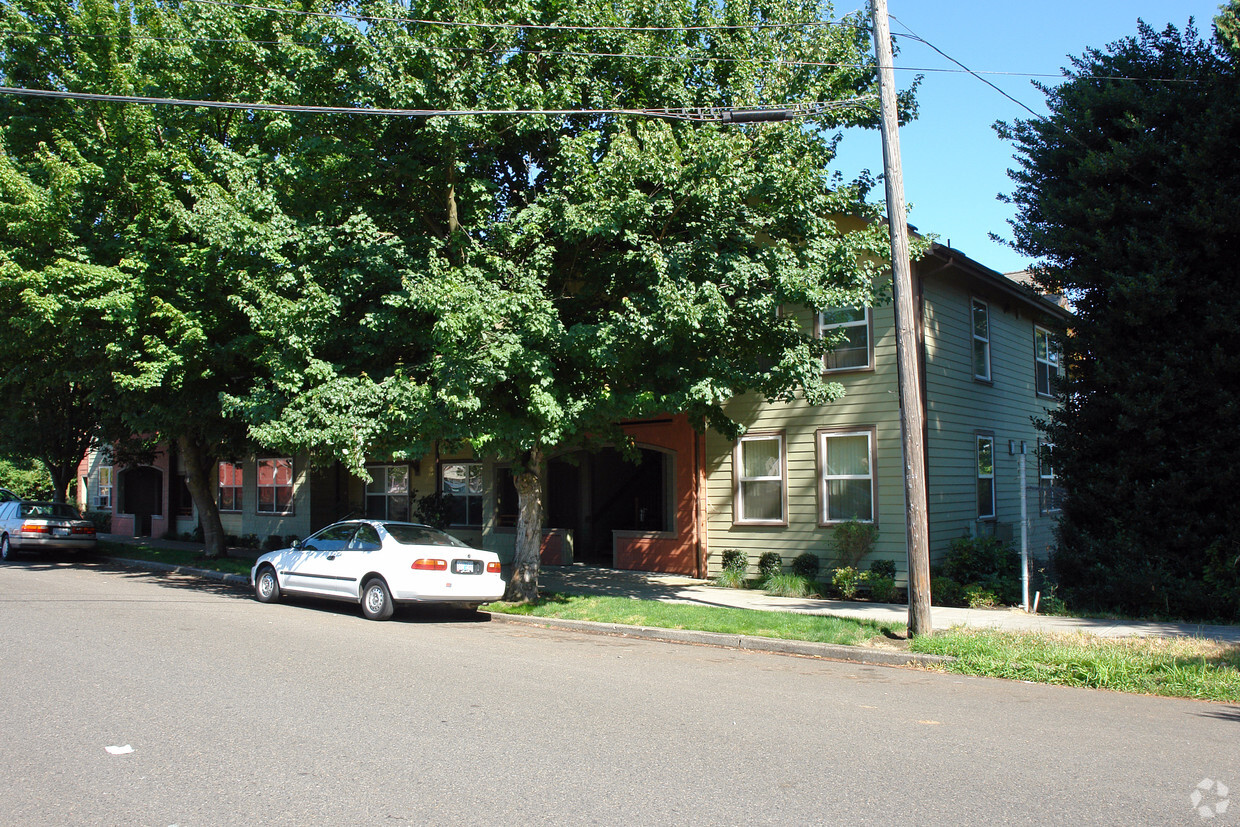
(379,564)
(6,494)
(35,526)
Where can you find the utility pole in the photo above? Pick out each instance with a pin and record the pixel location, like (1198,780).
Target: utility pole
(912,418)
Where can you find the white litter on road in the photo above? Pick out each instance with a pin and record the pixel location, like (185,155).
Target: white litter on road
(125,750)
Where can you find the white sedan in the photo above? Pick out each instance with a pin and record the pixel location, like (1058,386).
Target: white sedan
(378,564)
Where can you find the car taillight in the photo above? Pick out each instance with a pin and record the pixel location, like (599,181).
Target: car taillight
(84,529)
(36,528)
(493,568)
(429,564)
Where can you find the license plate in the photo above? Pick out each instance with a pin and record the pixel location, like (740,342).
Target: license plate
(466,566)
(61,531)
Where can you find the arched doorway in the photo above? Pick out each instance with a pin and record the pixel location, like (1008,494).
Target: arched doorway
(142,495)
(596,493)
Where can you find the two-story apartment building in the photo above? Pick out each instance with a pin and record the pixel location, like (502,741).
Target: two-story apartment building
(989,359)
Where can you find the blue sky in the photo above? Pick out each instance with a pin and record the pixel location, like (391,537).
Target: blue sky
(954,163)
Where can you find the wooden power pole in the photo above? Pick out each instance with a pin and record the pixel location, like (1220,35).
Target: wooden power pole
(912,418)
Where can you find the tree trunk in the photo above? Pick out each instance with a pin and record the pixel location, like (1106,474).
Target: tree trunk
(61,477)
(198,477)
(523,585)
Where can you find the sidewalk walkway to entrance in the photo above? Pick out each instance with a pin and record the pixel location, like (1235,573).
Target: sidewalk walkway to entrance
(676,589)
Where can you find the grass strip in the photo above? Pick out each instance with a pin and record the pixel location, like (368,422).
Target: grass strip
(1174,667)
(193,558)
(654,613)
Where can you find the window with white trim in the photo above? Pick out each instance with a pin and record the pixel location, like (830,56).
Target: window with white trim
(275,486)
(1050,496)
(387,493)
(461,483)
(759,473)
(852,351)
(103,488)
(1047,361)
(985,477)
(847,485)
(230,486)
(981,340)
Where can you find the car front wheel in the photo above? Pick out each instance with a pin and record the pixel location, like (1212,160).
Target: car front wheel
(376,601)
(266,586)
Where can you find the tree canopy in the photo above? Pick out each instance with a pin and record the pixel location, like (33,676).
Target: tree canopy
(1127,194)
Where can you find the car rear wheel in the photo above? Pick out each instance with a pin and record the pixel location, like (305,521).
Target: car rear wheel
(6,550)
(376,601)
(267,586)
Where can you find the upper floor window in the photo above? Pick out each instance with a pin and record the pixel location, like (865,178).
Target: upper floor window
(461,482)
(1048,361)
(981,340)
(275,486)
(230,486)
(853,348)
(759,479)
(387,493)
(103,489)
(985,477)
(845,460)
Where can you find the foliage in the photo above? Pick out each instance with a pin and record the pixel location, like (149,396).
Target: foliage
(852,541)
(945,591)
(101,520)
(25,479)
(731,579)
(847,581)
(883,568)
(770,564)
(785,584)
(273,542)
(434,509)
(882,587)
(1126,193)
(734,559)
(977,596)
(806,564)
(987,562)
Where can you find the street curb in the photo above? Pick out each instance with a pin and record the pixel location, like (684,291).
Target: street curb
(151,565)
(828,651)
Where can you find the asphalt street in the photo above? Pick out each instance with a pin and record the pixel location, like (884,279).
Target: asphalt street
(303,713)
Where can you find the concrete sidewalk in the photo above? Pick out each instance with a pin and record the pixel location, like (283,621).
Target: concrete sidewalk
(677,589)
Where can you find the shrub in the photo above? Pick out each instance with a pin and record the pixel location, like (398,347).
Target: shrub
(434,510)
(882,587)
(883,568)
(784,584)
(989,562)
(946,592)
(231,540)
(852,541)
(734,560)
(846,580)
(273,542)
(770,564)
(805,565)
(101,520)
(731,579)
(980,597)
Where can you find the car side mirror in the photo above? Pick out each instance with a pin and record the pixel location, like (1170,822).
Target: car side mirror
(295,545)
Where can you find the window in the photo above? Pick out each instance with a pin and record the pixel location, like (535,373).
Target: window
(1050,495)
(759,472)
(387,493)
(103,489)
(852,351)
(230,487)
(275,486)
(981,340)
(1048,361)
(985,477)
(847,464)
(461,483)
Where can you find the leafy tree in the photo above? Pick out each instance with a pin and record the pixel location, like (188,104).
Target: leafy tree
(1127,192)
(561,273)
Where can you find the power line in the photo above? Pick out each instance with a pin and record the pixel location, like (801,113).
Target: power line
(698,114)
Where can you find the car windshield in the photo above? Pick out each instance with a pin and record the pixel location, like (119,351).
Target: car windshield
(49,510)
(419,535)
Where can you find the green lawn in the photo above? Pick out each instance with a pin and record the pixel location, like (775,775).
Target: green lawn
(781,625)
(176,557)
